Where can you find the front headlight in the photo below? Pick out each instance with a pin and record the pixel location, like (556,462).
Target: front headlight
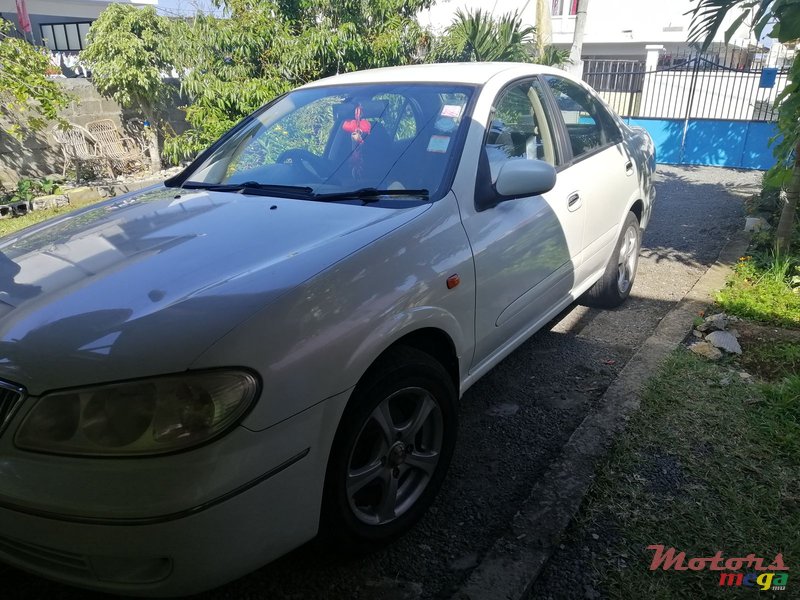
(149,416)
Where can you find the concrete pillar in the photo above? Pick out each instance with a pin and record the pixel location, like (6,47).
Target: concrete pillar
(648,101)
(653,52)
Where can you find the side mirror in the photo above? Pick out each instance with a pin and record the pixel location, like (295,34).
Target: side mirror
(520,178)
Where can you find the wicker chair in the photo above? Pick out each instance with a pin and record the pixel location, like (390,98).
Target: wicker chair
(79,147)
(123,153)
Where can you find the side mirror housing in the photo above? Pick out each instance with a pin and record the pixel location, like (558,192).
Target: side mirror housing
(521,178)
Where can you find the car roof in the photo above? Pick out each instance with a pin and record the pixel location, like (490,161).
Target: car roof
(475,73)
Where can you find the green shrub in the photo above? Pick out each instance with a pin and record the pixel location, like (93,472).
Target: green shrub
(763,289)
(28,189)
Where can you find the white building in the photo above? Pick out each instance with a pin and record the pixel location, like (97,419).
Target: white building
(621,28)
(614,28)
(61,25)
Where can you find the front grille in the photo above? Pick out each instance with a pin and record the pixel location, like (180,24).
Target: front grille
(11,397)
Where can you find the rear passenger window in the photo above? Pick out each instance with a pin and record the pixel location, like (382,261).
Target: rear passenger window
(588,123)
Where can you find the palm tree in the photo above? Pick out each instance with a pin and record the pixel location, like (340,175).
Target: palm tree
(478,36)
(707,19)
(485,39)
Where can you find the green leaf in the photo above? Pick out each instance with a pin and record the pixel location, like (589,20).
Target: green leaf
(735,25)
(28,98)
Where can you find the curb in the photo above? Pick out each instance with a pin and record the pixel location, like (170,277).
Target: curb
(511,566)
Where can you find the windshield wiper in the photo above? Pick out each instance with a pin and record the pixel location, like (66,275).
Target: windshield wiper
(370,194)
(253,187)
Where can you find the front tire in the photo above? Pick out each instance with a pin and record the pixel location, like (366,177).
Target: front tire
(614,287)
(391,452)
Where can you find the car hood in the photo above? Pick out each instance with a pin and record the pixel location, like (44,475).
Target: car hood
(142,284)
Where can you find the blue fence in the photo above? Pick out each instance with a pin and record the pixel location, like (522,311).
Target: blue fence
(713,142)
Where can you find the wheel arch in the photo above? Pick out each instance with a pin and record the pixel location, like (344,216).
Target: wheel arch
(637,208)
(433,341)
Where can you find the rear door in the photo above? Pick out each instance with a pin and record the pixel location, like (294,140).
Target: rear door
(599,167)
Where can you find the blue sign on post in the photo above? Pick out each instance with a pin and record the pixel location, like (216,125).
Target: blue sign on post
(768,77)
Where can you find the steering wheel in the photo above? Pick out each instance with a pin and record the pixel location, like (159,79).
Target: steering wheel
(312,163)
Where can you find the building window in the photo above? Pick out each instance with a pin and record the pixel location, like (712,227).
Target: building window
(65,36)
(560,5)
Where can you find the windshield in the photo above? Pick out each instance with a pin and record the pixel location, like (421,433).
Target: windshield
(339,139)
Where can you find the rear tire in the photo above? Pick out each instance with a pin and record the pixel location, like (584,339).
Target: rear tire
(391,452)
(613,288)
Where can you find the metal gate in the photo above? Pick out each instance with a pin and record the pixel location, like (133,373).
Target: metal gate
(713,108)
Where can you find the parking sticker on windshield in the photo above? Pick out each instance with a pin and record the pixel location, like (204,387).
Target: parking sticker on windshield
(451,110)
(439,143)
(446,124)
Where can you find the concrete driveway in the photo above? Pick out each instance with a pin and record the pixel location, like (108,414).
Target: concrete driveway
(514,421)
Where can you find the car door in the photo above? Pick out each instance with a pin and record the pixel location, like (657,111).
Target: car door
(603,172)
(525,250)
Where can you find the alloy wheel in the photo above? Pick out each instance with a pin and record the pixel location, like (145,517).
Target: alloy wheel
(628,257)
(394,456)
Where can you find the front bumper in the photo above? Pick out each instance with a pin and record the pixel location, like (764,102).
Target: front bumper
(181,552)
(176,557)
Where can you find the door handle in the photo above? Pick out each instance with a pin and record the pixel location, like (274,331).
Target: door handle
(629,168)
(574,202)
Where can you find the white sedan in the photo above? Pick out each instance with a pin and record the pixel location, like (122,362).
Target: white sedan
(199,377)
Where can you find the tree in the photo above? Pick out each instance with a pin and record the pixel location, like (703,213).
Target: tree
(478,36)
(230,67)
(576,51)
(129,54)
(28,99)
(544,27)
(263,48)
(783,16)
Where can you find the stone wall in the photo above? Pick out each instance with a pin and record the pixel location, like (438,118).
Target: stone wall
(38,155)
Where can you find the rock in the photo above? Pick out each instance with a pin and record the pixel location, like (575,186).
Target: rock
(51,201)
(697,334)
(505,409)
(735,333)
(724,340)
(716,322)
(706,350)
(80,196)
(756,224)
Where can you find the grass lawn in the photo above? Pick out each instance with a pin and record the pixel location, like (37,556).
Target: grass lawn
(710,463)
(761,290)
(8,226)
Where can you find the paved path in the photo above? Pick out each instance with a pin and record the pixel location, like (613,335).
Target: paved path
(514,421)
